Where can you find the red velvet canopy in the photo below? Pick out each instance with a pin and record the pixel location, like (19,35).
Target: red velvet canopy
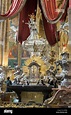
(50,12)
(50,28)
(69,3)
(15,8)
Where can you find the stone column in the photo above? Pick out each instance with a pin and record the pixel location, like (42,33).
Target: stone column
(19,53)
(5,32)
(69,20)
(0,47)
(1,31)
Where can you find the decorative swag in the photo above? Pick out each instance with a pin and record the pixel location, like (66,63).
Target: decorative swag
(14,9)
(50,13)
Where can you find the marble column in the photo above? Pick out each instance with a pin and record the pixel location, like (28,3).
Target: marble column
(69,19)
(19,53)
(1,31)
(5,34)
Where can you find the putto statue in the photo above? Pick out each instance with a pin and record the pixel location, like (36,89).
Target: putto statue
(65,74)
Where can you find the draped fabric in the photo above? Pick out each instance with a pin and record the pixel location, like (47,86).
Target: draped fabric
(29,8)
(53,13)
(14,9)
(49,13)
(50,32)
(50,29)
(69,3)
